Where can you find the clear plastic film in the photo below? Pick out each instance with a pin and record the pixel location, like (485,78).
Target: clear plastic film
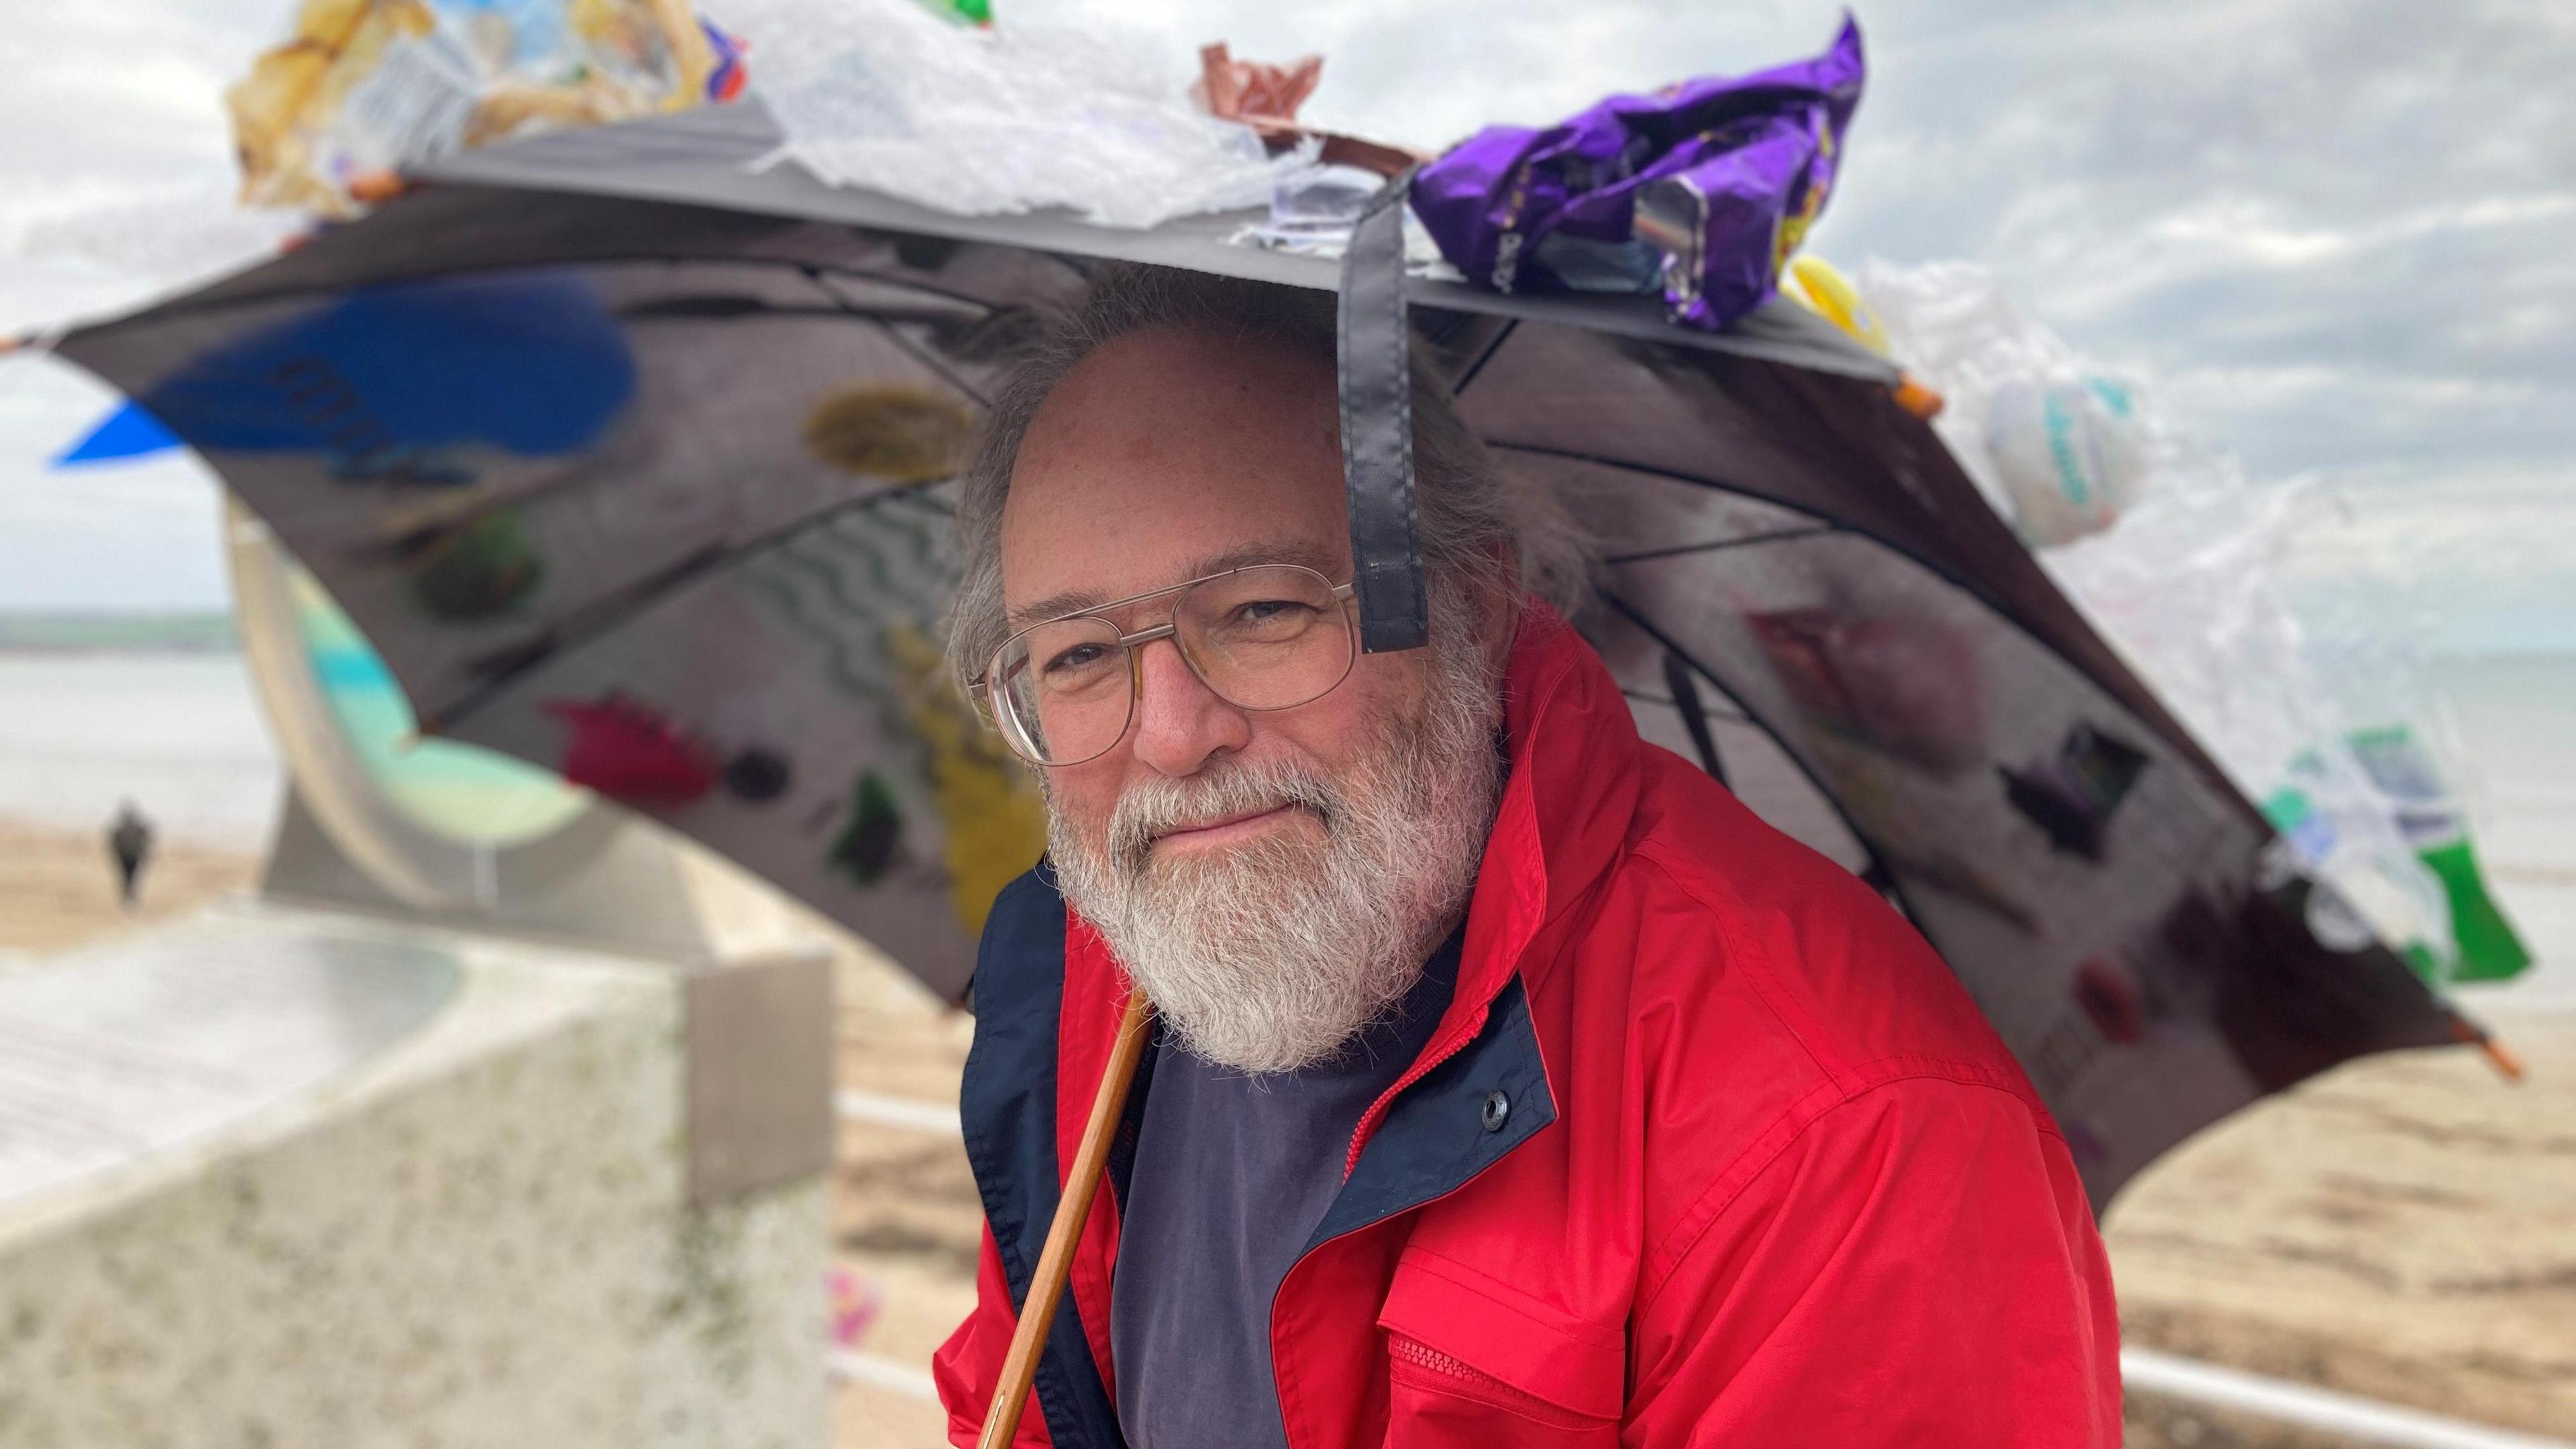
(2175,550)
(886,95)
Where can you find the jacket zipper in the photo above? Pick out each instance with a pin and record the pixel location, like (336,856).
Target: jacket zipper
(1419,1070)
(1484,1387)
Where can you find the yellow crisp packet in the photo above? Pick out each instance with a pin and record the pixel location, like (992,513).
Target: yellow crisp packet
(366,87)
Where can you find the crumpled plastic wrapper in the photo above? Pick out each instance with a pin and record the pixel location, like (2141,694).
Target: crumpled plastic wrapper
(1700,190)
(885,95)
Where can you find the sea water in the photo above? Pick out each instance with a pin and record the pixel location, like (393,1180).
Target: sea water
(2514,719)
(183,737)
(179,735)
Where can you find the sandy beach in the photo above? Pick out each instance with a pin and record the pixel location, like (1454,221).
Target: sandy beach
(905,1215)
(2403,1228)
(58,889)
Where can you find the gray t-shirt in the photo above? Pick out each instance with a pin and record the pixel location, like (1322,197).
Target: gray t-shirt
(1232,1174)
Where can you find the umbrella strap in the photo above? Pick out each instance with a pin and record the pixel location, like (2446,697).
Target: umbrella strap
(1376,354)
(1694,713)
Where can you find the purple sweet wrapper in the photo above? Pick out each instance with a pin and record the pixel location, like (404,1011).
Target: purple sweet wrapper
(1701,190)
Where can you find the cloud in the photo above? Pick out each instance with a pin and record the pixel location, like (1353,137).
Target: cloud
(128,536)
(2359,207)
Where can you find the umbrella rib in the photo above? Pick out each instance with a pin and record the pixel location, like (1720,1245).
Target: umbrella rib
(1938,570)
(914,351)
(1648,696)
(904,344)
(668,309)
(603,613)
(500,667)
(1477,368)
(1694,713)
(1719,485)
(1672,646)
(1750,540)
(189,306)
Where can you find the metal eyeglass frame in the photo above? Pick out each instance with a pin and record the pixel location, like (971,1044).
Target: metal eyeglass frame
(983,683)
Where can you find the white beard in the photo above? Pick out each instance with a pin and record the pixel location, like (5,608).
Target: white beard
(1271,956)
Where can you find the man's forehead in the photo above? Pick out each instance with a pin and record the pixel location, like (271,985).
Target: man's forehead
(1168,456)
(1304,553)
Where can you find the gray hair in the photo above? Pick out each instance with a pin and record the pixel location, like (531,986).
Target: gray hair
(1482,527)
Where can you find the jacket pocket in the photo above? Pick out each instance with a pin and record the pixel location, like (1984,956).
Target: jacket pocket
(1470,1365)
(1435,1398)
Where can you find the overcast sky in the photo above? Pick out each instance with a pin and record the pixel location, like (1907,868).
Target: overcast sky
(2337,237)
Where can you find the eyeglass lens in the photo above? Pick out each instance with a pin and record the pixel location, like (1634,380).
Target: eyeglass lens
(1268,637)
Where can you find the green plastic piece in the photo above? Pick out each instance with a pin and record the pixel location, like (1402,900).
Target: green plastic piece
(2489,949)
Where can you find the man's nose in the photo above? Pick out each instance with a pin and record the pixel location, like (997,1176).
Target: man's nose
(1179,720)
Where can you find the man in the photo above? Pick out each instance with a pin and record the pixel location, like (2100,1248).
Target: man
(1515,1084)
(129,845)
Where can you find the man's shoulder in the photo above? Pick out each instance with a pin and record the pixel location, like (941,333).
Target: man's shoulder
(1022,945)
(1754,949)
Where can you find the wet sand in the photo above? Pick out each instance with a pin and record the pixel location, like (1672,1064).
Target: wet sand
(2403,1228)
(58,890)
(905,1215)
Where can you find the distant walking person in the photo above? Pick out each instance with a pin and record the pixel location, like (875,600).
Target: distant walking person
(130,842)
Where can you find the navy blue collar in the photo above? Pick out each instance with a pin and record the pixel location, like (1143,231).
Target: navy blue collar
(1464,1115)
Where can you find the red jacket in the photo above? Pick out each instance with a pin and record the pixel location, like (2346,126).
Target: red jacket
(1709,1149)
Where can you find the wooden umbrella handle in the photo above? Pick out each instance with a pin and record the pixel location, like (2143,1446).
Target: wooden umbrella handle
(1055,1260)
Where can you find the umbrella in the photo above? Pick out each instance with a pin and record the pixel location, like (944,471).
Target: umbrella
(660,502)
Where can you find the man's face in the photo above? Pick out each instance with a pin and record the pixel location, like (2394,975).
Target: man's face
(1168,455)
(1265,874)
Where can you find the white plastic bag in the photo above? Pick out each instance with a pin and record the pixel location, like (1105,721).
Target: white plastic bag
(886,95)
(2058,447)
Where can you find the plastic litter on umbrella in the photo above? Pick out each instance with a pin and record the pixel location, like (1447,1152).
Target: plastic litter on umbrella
(367,86)
(2171,547)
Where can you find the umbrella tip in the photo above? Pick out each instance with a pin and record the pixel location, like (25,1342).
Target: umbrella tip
(2506,1061)
(374,187)
(2503,1058)
(1913,395)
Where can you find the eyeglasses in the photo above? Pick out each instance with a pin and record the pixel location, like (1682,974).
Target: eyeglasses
(1267,637)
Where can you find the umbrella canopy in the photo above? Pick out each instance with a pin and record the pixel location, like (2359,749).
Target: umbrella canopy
(633,461)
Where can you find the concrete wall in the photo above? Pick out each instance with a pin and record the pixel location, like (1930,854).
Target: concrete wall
(483,1235)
